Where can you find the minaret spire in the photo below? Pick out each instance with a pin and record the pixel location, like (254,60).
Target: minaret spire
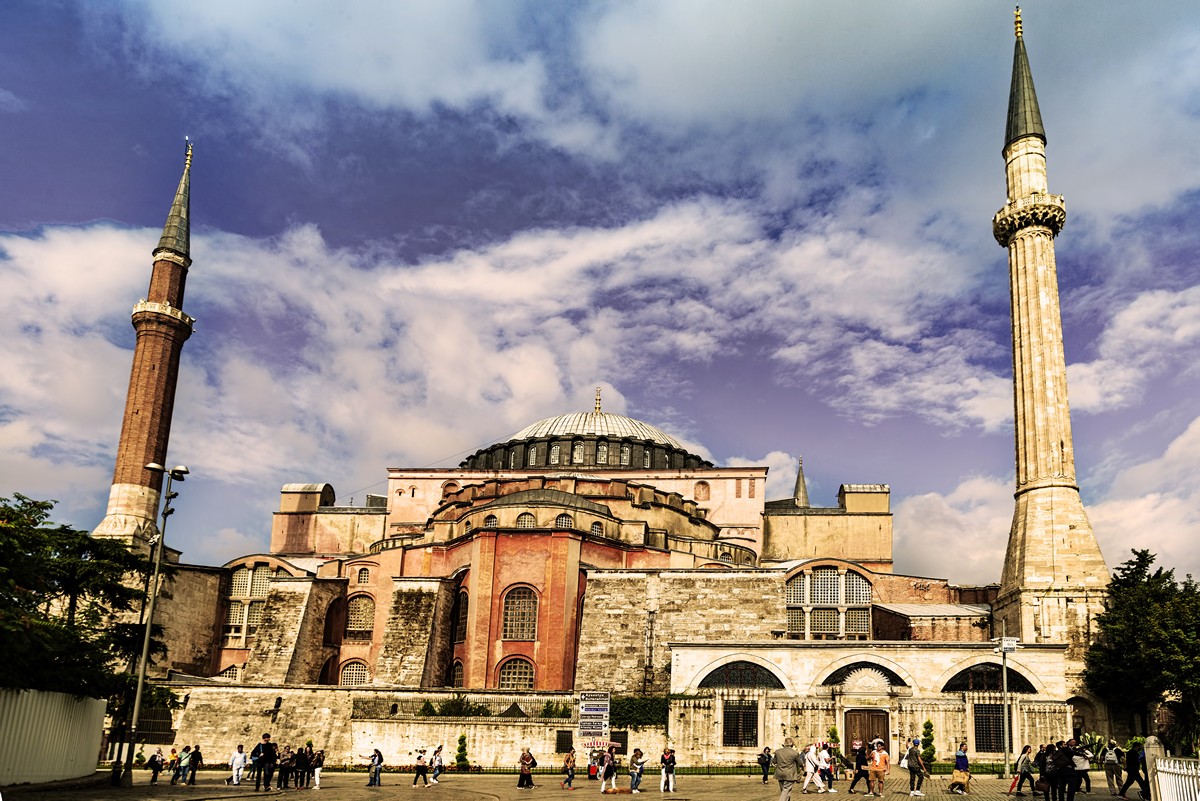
(1054,574)
(597,399)
(1024,116)
(162,327)
(801,493)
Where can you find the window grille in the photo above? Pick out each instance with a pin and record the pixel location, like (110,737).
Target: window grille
(741,724)
(354,674)
(858,589)
(532,455)
(564,740)
(555,454)
(795,620)
(858,621)
(236,614)
(456,674)
(824,621)
(254,616)
(626,452)
(516,674)
(577,453)
(520,614)
(646,460)
(741,675)
(239,583)
(364,576)
(360,618)
(989,723)
(564,521)
(260,582)
(726,557)
(491,521)
(460,617)
(228,674)
(597,529)
(825,585)
(526,520)
(602,453)
(796,587)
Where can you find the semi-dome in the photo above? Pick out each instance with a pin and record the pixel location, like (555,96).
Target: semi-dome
(587,440)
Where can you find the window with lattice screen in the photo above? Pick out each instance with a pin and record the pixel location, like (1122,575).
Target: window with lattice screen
(795,620)
(602,453)
(555,454)
(239,583)
(858,621)
(564,521)
(516,674)
(520,614)
(254,616)
(858,589)
(260,582)
(354,674)
(824,621)
(825,585)
(360,617)
(491,521)
(597,529)
(229,674)
(456,675)
(461,608)
(364,576)
(526,520)
(626,452)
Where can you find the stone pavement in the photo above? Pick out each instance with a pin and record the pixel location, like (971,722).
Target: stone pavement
(479,787)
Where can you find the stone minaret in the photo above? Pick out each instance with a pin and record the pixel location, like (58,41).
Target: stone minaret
(161,328)
(1054,575)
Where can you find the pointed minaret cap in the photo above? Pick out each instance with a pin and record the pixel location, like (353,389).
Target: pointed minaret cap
(176,235)
(1024,118)
(801,493)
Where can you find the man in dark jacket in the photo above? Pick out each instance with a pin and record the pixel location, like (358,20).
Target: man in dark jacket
(265,755)
(1135,771)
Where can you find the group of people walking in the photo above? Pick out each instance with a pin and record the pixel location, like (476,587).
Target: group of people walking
(1064,767)
(608,768)
(299,768)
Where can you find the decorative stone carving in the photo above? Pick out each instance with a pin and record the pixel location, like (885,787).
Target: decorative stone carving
(866,680)
(1047,211)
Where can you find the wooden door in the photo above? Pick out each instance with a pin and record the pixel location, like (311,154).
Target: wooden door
(865,725)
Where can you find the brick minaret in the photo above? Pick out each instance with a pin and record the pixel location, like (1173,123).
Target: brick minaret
(1054,575)
(161,328)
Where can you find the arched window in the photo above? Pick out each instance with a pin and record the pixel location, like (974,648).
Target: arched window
(229,674)
(458,617)
(516,674)
(577,453)
(602,453)
(646,459)
(564,521)
(726,557)
(986,678)
(360,618)
(626,452)
(364,576)
(526,520)
(838,604)
(741,675)
(520,614)
(354,674)
(449,487)
(456,674)
(555,453)
(491,521)
(703,491)
(532,460)
(597,529)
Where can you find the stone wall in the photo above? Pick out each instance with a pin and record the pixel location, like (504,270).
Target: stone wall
(185,606)
(630,617)
(416,648)
(288,616)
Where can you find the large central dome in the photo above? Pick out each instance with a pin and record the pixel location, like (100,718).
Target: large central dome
(597,424)
(595,440)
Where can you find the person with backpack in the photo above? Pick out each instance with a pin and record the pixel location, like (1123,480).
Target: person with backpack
(1111,758)
(764,762)
(1024,771)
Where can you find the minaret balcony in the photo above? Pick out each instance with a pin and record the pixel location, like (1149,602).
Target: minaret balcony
(1048,211)
(149,306)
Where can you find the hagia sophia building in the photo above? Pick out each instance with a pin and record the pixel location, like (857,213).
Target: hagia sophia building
(593,552)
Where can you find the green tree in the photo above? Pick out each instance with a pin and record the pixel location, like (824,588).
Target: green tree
(460,756)
(928,750)
(58,592)
(1148,646)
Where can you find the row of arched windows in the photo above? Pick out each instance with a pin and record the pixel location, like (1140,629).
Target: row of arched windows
(528,520)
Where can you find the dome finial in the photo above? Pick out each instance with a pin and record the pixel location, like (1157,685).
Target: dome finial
(1017,21)
(597,398)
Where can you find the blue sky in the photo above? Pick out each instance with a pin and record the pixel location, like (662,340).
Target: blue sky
(765,227)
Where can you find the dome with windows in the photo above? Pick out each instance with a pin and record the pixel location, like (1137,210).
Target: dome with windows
(594,440)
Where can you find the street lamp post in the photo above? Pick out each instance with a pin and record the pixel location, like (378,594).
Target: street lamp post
(176,473)
(1006,645)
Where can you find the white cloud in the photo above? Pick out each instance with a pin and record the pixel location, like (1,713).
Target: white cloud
(10,103)
(961,535)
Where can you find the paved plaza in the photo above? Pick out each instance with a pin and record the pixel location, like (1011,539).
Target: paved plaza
(348,786)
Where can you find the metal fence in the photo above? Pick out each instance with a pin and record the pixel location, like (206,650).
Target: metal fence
(48,736)
(1176,779)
